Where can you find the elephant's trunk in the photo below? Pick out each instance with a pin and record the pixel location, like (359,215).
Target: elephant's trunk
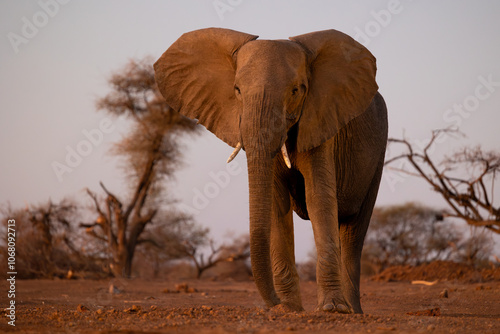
(260,180)
(263,133)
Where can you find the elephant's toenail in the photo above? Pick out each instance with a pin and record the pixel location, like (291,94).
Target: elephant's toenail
(328,307)
(342,309)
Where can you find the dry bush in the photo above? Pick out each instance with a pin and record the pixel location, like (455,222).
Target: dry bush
(178,270)
(45,243)
(186,250)
(412,234)
(307,269)
(166,244)
(229,270)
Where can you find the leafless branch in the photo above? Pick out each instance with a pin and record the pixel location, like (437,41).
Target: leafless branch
(149,241)
(468,198)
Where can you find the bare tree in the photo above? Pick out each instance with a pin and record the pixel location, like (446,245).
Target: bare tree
(239,250)
(151,155)
(469,197)
(168,240)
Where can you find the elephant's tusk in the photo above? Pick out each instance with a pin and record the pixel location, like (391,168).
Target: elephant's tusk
(285,156)
(235,153)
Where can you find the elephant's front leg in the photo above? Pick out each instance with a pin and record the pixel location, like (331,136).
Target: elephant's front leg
(321,200)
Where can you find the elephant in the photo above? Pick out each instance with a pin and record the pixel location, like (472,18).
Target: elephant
(309,116)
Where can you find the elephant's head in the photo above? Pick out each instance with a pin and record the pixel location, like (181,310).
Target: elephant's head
(250,92)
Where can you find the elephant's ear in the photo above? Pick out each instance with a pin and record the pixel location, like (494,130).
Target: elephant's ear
(196,77)
(341,85)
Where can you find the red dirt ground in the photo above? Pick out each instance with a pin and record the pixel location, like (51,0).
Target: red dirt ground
(390,306)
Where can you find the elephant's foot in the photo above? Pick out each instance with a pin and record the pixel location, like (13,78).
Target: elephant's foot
(285,307)
(356,306)
(291,300)
(334,304)
(292,306)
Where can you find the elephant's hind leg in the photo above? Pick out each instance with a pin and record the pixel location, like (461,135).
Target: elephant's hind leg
(286,279)
(352,235)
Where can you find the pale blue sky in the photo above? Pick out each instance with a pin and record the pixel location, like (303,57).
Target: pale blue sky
(431,56)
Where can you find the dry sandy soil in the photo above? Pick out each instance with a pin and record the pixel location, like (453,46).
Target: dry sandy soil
(135,306)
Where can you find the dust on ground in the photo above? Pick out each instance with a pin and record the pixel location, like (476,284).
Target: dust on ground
(453,304)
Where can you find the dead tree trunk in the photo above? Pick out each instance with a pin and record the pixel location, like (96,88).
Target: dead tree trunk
(121,235)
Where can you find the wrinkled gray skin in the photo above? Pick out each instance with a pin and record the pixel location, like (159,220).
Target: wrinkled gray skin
(315,93)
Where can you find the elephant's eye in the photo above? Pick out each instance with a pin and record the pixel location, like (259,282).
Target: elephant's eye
(295,90)
(237,89)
